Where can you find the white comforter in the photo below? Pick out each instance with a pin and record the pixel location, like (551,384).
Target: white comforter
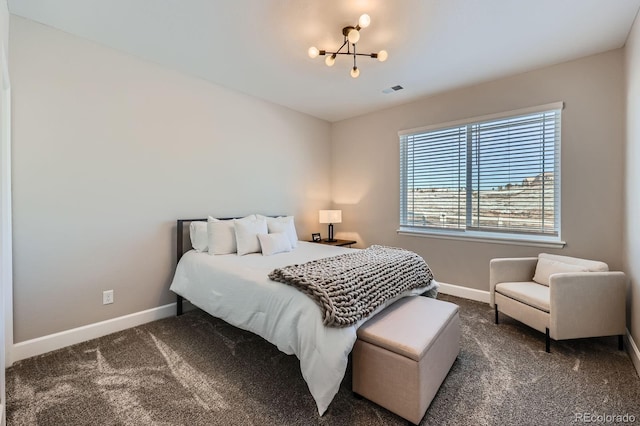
(237,290)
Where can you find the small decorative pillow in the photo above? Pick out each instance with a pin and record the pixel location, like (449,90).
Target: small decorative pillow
(199,236)
(274,243)
(221,236)
(246,231)
(546,267)
(285,225)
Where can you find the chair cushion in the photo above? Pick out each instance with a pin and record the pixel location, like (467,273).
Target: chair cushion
(589,265)
(528,292)
(547,267)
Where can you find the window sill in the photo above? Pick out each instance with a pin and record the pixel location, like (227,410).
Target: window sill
(483,237)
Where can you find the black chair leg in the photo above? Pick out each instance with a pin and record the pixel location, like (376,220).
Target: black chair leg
(621,342)
(547,341)
(496,308)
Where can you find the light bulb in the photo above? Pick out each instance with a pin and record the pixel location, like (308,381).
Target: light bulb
(382,55)
(364,21)
(355,72)
(353,36)
(330,60)
(313,52)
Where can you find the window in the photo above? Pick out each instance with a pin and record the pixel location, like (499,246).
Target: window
(495,177)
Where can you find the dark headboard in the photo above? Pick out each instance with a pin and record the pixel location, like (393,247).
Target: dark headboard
(183,241)
(183,245)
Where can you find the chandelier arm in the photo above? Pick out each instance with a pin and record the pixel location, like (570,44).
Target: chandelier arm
(345,42)
(354,56)
(351,54)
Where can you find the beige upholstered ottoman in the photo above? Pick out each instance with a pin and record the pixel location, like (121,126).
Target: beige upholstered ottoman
(403,354)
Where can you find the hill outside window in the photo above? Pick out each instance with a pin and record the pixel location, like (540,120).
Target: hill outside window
(489,178)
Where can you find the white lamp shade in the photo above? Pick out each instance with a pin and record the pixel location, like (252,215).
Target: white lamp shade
(330,216)
(353,36)
(364,21)
(313,52)
(330,60)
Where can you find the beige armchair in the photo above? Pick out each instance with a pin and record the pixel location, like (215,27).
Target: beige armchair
(563,297)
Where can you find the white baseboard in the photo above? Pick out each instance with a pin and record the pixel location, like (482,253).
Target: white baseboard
(633,351)
(464,292)
(49,343)
(3,421)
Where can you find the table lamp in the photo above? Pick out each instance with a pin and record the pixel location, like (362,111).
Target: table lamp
(330,217)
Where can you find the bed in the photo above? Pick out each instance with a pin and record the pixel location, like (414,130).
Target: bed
(237,290)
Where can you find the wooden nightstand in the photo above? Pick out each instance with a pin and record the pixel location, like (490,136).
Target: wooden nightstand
(340,243)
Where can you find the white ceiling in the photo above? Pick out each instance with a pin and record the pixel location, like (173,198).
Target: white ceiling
(259,47)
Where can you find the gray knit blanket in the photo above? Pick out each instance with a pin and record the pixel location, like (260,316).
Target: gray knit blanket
(349,287)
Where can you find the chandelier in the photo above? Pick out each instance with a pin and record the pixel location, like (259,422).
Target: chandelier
(351,38)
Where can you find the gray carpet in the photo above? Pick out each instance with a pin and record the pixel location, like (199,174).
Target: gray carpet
(198,370)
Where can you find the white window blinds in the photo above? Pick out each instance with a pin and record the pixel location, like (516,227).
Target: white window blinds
(500,174)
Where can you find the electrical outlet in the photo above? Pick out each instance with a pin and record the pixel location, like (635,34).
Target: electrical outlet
(107,297)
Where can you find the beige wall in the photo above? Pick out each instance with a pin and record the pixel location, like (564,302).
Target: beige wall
(110,150)
(365,156)
(631,250)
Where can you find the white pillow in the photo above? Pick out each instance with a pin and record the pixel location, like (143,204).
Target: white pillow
(274,243)
(199,236)
(546,267)
(247,231)
(221,236)
(284,224)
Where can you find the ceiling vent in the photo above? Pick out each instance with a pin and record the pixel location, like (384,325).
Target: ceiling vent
(393,89)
